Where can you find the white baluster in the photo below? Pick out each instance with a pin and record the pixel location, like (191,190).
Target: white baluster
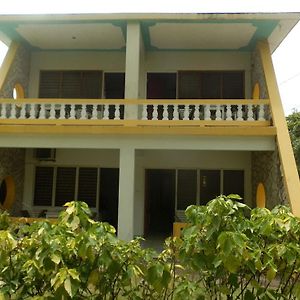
(261,113)
(250,113)
(83,112)
(94,112)
(218,113)
(175,112)
(106,112)
(3,111)
(155,112)
(228,113)
(165,112)
(23,111)
(72,111)
(186,112)
(197,112)
(117,112)
(12,111)
(52,111)
(240,113)
(62,112)
(42,112)
(145,112)
(207,113)
(32,111)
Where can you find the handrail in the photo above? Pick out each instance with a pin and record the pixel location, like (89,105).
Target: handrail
(136,102)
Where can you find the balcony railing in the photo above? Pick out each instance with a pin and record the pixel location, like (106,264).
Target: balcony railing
(135,112)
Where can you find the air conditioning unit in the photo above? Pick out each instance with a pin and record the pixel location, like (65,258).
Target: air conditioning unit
(47,154)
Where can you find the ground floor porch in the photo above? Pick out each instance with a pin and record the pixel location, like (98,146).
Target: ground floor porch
(140,190)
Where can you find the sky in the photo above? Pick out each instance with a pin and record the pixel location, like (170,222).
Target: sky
(285,59)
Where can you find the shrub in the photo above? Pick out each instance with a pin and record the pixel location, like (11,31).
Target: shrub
(227,251)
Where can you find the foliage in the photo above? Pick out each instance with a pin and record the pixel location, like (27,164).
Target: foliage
(293,122)
(227,251)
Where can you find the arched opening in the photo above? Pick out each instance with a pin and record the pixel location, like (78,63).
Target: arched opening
(7,192)
(18,91)
(260,196)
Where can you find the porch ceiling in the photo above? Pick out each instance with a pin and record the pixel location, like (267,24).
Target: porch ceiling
(160,31)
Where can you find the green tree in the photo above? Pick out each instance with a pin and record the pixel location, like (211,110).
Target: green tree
(293,122)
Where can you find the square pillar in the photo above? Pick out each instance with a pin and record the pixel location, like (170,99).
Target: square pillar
(134,45)
(126,193)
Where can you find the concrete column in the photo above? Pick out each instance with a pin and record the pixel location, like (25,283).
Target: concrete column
(132,75)
(126,193)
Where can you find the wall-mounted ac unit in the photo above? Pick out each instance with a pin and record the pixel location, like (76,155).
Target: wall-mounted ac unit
(47,154)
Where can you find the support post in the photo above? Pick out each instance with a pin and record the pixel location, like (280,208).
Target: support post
(126,193)
(288,164)
(132,75)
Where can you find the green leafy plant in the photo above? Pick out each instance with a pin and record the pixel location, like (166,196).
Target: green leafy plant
(227,251)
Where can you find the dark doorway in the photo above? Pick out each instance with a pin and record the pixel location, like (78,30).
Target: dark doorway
(109,195)
(160,202)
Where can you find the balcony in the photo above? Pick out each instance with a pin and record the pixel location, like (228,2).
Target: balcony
(191,116)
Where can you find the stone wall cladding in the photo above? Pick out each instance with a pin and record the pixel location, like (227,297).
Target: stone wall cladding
(18,73)
(257,74)
(13,163)
(266,169)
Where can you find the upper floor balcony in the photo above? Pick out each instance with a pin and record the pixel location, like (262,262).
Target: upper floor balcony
(192,116)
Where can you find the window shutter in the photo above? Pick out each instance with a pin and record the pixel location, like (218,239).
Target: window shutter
(70,84)
(189,85)
(43,186)
(233,85)
(65,185)
(50,84)
(87,185)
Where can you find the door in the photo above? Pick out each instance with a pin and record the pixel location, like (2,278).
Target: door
(210,185)
(159,202)
(109,196)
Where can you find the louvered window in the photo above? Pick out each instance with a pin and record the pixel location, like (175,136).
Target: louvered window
(87,186)
(43,186)
(65,185)
(211,84)
(70,84)
(68,183)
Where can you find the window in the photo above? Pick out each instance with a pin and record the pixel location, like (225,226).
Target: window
(54,186)
(87,185)
(70,84)
(211,84)
(161,86)
(43,186)
(201,186)
(114,85)
(65,185)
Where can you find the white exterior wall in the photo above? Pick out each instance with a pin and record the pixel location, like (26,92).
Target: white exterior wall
(160,61)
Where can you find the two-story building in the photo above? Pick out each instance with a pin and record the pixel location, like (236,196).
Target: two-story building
(141,115)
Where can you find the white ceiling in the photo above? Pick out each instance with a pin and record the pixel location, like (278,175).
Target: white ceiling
(201,35)
(73,36)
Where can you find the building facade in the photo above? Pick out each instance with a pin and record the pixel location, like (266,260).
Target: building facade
(141,115)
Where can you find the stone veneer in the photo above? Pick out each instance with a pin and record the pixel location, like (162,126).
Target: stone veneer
(18,73)
(266,169)
(12,163)
(257,75)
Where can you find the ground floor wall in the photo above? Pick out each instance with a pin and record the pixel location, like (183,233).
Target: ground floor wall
(143,160)
(12,164)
